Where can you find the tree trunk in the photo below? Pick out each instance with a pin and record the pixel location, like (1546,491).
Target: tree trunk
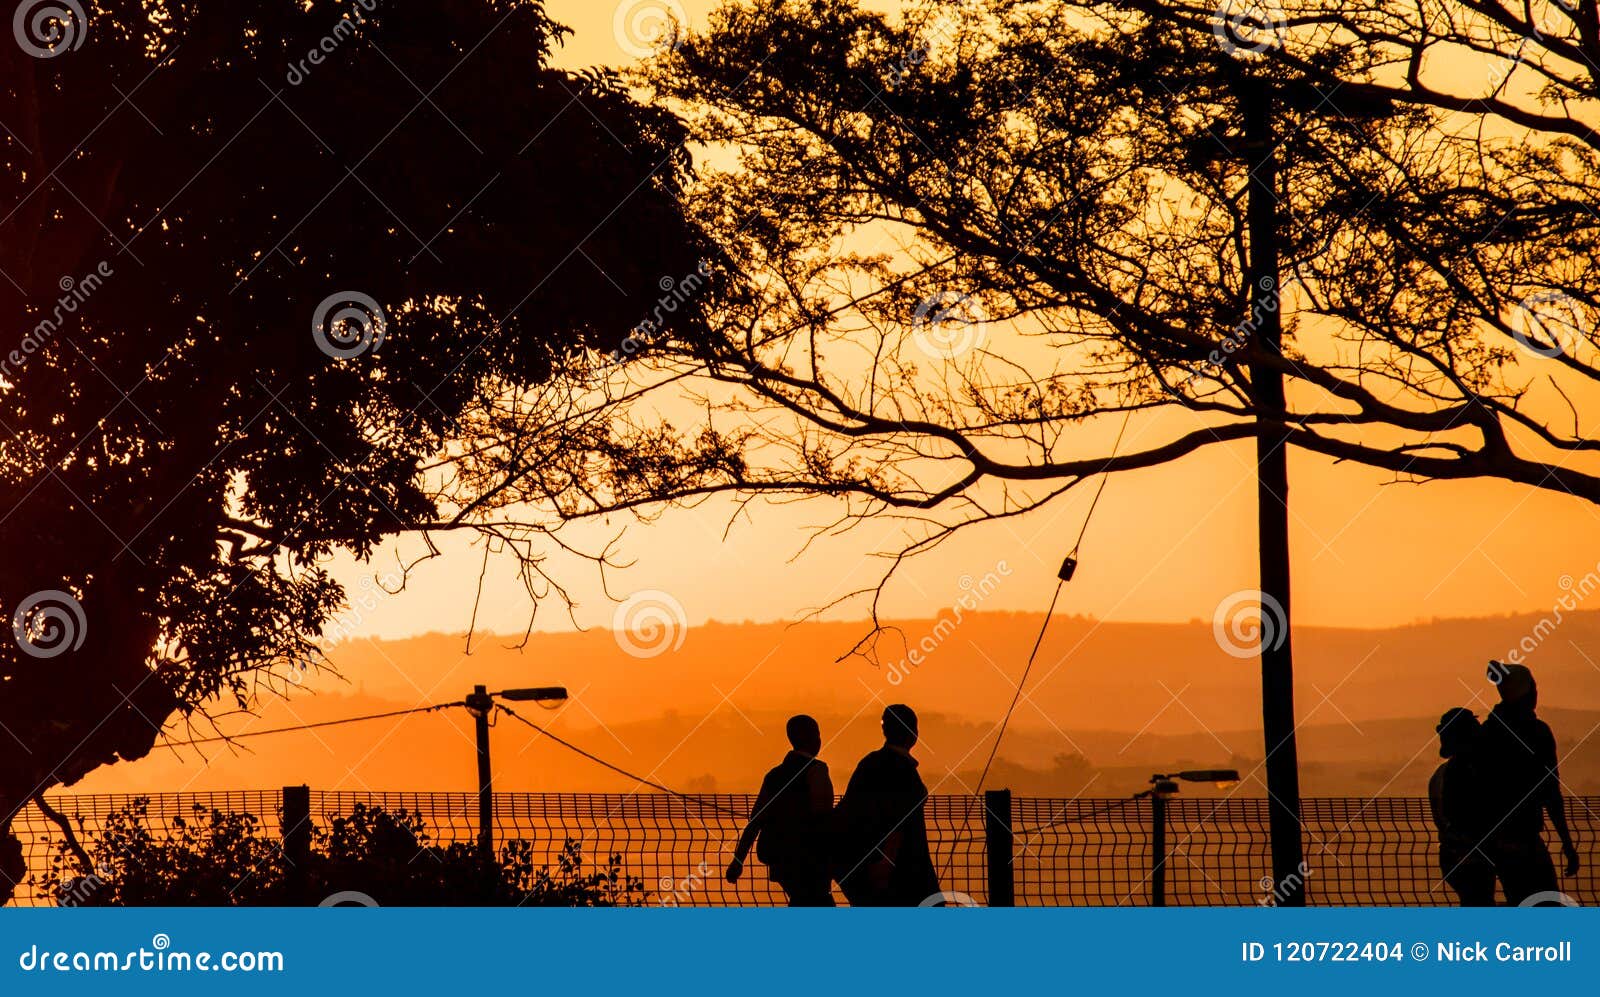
(1272,470)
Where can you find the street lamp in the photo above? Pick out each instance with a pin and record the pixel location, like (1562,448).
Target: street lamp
(480,704)
(1161,787)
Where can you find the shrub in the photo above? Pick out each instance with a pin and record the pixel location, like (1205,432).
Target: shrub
(221,858)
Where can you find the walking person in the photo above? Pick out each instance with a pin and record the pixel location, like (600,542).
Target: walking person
(884,859)
(1455,799)
(790,822)
(1519,757)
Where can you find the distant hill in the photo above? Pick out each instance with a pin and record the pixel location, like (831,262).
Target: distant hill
(1108,704)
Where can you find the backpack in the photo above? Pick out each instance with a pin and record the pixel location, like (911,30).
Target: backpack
(787,821)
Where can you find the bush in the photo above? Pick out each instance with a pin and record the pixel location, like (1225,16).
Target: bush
(219,858)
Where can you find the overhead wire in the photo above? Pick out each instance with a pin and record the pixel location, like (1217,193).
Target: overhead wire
(1069,564)
(311,726)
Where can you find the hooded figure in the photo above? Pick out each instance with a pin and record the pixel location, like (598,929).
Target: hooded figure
(1518,756)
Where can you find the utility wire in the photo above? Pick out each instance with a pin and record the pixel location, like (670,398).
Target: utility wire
(299,727)
(508,711)
(1044,625)
(1022,683)
(616,768)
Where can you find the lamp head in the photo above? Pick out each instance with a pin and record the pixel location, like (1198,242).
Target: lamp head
(543,694)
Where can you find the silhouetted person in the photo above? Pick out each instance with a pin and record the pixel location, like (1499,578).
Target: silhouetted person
(791,819)
(884,859)
(1455,795)
(1519,756)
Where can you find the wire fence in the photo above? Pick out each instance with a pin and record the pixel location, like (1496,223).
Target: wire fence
(1359,852)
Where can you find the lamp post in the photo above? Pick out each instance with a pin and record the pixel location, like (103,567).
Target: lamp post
(1161,787)
(480,704)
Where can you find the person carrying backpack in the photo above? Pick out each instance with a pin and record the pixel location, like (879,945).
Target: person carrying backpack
(790,821)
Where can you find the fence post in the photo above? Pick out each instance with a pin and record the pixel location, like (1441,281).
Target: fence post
(998,843)
(1158,849)
(296,826)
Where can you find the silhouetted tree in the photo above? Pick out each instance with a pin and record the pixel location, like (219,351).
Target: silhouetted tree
(975,228)
(185,189)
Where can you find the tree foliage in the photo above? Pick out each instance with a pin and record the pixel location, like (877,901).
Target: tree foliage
(216,858)
(973,231)
(184,195)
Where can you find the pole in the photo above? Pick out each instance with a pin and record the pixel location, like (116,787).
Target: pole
(1272,463)
(999,846)
(1158,849)
(479,704)
(296,825)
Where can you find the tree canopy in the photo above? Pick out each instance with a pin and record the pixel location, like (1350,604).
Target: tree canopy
(265,264)
(972,231)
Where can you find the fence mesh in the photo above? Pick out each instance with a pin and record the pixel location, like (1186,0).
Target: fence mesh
(1359,852)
